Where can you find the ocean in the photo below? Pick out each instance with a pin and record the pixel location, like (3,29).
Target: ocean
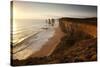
(29,35)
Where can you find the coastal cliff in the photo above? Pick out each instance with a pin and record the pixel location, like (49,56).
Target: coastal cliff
(86,25)
(79,43)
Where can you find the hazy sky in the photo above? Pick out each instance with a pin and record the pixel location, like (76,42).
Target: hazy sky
(34,10)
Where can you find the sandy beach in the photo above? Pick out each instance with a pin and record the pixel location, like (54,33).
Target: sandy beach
(49,46)
(40,45)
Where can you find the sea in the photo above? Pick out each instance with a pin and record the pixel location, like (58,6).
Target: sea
(29,36)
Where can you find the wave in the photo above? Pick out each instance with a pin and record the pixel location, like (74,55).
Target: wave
(19,46)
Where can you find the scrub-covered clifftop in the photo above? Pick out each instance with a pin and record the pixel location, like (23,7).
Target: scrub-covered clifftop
(79,43)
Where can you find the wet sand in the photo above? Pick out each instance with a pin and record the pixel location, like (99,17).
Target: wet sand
(49,46)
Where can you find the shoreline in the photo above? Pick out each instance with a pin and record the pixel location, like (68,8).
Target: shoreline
(47,48)
(50,45)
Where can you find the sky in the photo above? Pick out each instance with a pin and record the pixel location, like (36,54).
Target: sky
(37,10)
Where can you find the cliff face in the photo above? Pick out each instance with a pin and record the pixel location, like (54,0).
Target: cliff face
(79,44)
(82,35)
(69,25)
